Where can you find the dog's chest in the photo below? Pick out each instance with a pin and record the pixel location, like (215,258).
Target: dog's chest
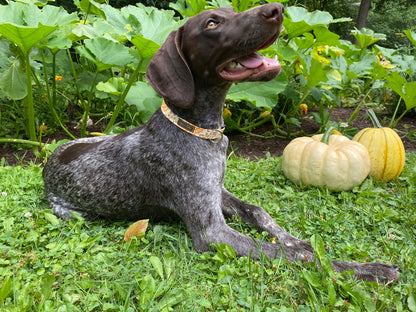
(204,159)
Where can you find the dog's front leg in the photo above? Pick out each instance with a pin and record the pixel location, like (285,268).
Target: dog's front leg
(261,220)
(207,226)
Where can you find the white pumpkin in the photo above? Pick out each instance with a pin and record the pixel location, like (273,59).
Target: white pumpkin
(340,164)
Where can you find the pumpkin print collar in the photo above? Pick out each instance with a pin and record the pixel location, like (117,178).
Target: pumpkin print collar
(214,135)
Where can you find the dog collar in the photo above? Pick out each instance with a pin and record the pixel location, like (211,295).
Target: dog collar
(214,135)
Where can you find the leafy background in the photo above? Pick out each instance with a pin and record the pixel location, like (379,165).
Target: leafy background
(62,70)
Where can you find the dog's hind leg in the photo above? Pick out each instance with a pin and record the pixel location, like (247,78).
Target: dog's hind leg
(62,208)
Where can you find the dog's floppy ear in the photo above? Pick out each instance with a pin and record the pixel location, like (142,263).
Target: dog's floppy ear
(169,74)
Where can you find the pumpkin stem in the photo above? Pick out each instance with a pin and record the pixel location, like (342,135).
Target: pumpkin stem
(325,138)
(374,119)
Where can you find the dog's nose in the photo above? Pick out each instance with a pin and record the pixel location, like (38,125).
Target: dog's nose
(274,11)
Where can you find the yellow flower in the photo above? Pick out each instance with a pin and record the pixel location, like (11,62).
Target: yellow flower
(321,59)
(226,113)
(321,49)
(383,62)
(303,109)
(265,113)
(337,51)
(58,78)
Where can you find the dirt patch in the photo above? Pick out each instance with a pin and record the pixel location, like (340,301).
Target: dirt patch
(244,145)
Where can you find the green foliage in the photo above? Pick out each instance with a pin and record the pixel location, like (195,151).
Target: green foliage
(102,54)
(77,265)
(101,51)
(400,17)
(366,37)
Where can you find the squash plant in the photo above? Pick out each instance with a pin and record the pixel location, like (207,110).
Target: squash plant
(25,26)
(329,160)
(387,154)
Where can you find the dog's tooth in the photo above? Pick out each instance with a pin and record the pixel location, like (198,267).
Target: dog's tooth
(265,63)
(239,65)
(275,58)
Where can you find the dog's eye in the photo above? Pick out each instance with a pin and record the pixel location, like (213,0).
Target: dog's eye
(211,24)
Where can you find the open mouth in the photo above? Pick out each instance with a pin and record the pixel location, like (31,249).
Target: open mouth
(251,66)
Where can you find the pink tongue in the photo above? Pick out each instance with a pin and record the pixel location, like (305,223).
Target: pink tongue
(251,61)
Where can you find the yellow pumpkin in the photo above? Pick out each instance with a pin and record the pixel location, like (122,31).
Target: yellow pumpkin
(387,154)
(332,161)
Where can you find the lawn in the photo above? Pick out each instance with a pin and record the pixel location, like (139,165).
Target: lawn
(50,265)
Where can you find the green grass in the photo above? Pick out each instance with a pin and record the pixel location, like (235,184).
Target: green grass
(50,265)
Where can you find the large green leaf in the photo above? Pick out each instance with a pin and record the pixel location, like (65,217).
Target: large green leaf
(25,37)
(156,24)
(190,7)
(411,35)
(305,41)
(362,67)
(146,47)
(54,15)
(149,22)
(298,14)
(407,90)
(101,28)
(84,31)
(285,53)
(301,22)
(146,100)
(261,94)
(29,15)
(57,41)
(317,73)
(105,53)
(325,37)
(295,29)
(367,37)
(122,23)
(13,83)
(113,86)
(90,7)
(26,24)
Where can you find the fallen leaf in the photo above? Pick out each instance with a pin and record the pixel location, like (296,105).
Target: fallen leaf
(137,229)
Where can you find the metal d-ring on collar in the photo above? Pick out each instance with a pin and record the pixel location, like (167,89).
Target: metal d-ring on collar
(213,135)
(219,139)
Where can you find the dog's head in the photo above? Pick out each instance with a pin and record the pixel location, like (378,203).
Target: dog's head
(216,47)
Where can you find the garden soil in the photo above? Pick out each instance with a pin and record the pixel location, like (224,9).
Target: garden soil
(244,145)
